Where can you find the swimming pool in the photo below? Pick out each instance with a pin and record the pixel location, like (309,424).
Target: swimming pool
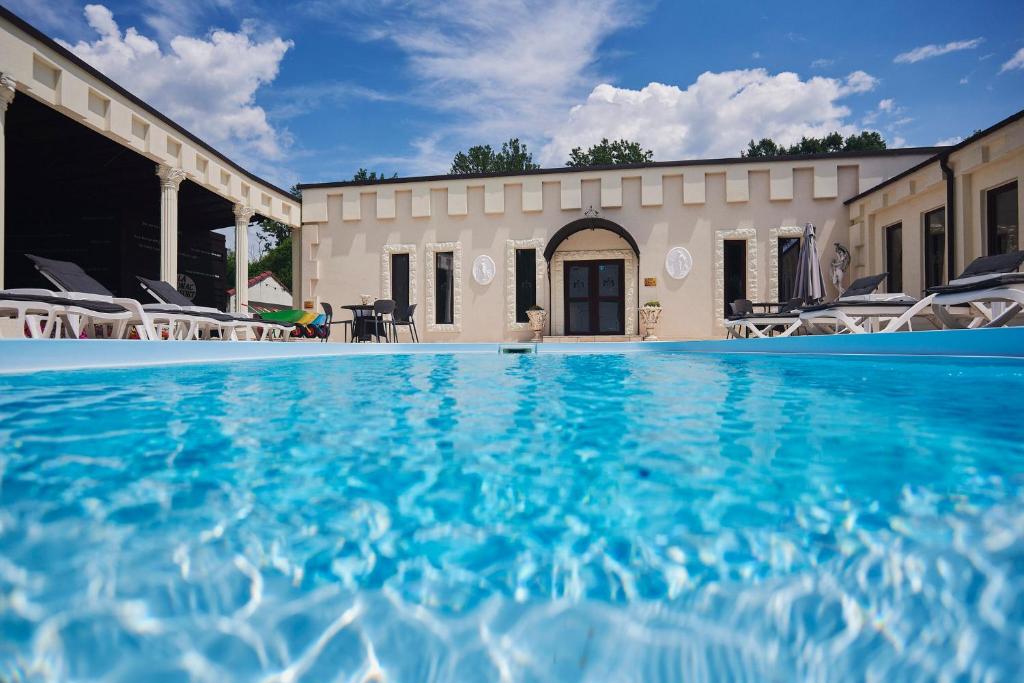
(551,517)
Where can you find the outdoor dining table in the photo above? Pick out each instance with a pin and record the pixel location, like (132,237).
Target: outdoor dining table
(361,315)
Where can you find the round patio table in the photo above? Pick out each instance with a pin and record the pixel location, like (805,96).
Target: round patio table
(361,314)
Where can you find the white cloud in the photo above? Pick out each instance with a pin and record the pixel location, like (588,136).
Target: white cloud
(929,51)
(497,68)
(898,142)
(888,104)
(964,81)
(207,84)
(1014,62)
(713,117)
(858,82)
(755,55)
(945,142)
(822,63)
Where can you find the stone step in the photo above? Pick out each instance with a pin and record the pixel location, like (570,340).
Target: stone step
(595,338)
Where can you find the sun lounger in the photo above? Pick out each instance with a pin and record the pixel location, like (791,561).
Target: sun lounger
(79,304)
(859,309)
(988,293)
(745,322)
(36,311)
(205,320)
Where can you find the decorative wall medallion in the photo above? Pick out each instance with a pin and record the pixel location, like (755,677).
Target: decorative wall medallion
(483,269)
(678,262)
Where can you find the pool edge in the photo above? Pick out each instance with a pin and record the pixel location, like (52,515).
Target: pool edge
(21,356)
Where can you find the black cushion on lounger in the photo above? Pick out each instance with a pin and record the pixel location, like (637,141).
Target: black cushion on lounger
(94,305)
(41,298)
(222,317)
(164,292)
(69,276)
(86,304)
(994,281)
(864,285)
(1000,263)
(861,303)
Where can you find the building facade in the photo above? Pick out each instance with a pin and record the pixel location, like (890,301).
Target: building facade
(924,226)
(266,293)
(92,174)
(588,245)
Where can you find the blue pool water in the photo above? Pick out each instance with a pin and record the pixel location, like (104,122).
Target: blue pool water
(641,517)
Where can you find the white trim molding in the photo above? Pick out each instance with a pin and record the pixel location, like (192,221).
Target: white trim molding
(557,319)
(750,236)
(429,256)
(510,278)
(773,255)
(385,269)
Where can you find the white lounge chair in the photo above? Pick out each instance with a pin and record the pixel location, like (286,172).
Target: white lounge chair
(859,310)
(82,303)
(748,323)
(35,311)
(989,293)
(204,320)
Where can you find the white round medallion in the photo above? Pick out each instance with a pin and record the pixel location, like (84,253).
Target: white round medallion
(678,263)
(483,269)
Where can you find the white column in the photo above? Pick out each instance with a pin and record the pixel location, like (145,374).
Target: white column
(170,179)
(6,97)
(243,214)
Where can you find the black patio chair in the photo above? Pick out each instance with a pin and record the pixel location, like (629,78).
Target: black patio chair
(381,321)
(405,318)
(324,331)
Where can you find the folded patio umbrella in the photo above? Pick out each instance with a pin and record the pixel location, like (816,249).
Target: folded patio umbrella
(810,284)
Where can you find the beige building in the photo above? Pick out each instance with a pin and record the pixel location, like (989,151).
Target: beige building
(589,246)
(90,173)
(140,195)
(970,191)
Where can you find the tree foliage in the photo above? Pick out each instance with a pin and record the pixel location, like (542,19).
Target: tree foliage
(833,142)
(275,248)
(607,153)
(370,176)
(514,156)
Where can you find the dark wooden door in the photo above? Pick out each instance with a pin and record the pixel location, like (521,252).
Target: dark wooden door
(595,297)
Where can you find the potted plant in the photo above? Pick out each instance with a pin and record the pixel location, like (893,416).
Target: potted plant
(537,316)
(650,312)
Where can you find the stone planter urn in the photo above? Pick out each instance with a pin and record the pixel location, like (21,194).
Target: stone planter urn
(537,317)
(650,313)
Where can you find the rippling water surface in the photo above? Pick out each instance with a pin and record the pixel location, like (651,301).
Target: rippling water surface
(635,517)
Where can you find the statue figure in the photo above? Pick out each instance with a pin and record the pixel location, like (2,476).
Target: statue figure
(839,265)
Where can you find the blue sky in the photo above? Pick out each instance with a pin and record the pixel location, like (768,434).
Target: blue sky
(310,91)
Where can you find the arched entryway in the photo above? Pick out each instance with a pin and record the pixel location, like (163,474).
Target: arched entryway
(593,266)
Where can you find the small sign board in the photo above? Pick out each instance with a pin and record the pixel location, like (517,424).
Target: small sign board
(650,282)
(307,304)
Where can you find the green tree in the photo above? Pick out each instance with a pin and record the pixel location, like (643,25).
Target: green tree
(607,153)
(363,174)
(765,147)
(833,142)
(275,246)
(865,140)
(514,156)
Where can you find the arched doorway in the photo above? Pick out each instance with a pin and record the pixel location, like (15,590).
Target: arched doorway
(593,268)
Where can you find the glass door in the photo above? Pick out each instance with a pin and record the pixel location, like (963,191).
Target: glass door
(595,301)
